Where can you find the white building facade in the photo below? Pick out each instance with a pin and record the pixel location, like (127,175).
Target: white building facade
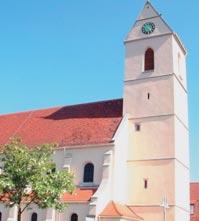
(128,155)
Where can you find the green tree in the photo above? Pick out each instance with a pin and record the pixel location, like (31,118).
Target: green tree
(28,176)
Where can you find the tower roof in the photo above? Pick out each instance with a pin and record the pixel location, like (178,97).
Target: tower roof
(151,15)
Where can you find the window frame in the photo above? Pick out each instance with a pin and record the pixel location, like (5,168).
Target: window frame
(88,176)
(76,217)
(33,218)
(149,60)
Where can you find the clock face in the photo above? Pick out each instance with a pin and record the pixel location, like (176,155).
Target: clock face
(148,28)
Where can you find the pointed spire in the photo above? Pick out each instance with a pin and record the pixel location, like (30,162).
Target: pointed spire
(148,11)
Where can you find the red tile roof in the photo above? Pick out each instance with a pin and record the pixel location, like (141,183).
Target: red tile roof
(115,210)
(79,195)
(194,192)
(194,199)
(92,123)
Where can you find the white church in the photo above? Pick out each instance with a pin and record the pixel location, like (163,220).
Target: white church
(130,156)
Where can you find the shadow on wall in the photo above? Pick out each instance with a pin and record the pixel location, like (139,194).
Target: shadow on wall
(104,109)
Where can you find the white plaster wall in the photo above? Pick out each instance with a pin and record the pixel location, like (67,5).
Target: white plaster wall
(181,143)
(134,58)
(41,213)
(119,173)
(180,102)
(79,158)
(136,100)
(161,182)
(81,209)
(5,212)
(155,140)
(181,215)
(182,186)
(179,62)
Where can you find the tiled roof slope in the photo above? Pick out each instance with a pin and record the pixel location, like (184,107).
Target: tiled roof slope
(194,198)
(83,124)
(116,210)
(79,195)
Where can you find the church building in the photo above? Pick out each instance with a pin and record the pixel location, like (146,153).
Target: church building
(130,156)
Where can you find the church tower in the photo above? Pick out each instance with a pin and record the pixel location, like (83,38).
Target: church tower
(155,97)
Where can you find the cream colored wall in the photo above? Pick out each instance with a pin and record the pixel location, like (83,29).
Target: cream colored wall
(81,156)
(34,209)
(160,176)
(156,213)
(134,57)
(136,100)
(155,139)
(81,209)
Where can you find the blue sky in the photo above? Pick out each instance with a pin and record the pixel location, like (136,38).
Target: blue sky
(64,52)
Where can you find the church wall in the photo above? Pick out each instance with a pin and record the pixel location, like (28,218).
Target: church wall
(160,102)
(181,142)
(5,212)
(182,180)
(119,178)
(134,61)
(181,214)
(41,213)
(179,62)
(160,182)
(154,140)
(152,213)
(81,209)
(78,159)
(181,103)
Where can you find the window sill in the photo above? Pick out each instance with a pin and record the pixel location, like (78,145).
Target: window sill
(89,184)
(148,72)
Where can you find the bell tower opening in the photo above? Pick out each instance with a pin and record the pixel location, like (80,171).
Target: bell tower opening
(149,60)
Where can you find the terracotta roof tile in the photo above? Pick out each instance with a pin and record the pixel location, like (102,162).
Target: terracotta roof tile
(92,123)
(115,210)
(194,199)
(79,195)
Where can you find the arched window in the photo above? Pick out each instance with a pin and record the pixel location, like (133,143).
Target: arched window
(34,217)
(88,173)
(74,217)
(149,60)
(0,216)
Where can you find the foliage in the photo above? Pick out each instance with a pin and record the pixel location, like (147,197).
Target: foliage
(28,177)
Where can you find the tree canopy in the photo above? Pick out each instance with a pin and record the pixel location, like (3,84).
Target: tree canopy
(29,176)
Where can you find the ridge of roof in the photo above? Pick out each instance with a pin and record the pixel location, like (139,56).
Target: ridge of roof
(57,107)
(114,209)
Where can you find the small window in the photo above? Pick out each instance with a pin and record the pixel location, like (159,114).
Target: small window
(88,173)
(145,183)
(67,168)
(149,60)
(137,127)
(192,209)
(74,217)
(148,96)
(34,217)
